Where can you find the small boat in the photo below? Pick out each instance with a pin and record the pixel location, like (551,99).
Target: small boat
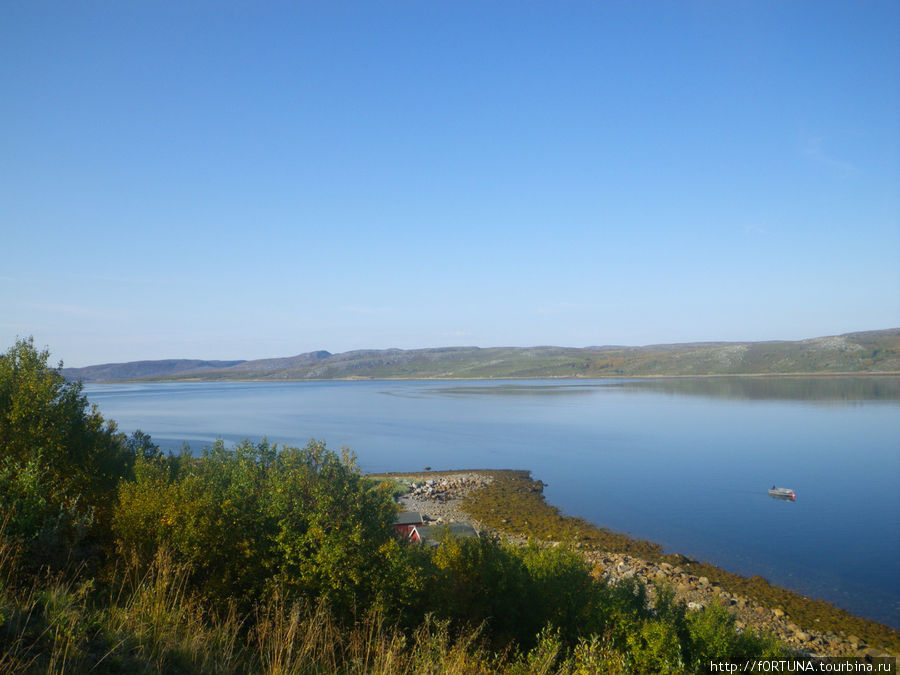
(782,493)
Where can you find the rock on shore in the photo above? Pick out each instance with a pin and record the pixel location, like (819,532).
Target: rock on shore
(698,592)
(439,498)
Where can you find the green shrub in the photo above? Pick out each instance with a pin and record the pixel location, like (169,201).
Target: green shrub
(596,655)
(334,529)
(712,636)
(43,416)
(563,593)
(517,592)
(52,526)
(59,459)
(655,648)
(251,518)
(478,581)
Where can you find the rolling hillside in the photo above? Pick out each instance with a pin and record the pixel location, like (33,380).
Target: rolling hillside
(866,352)
(135,370)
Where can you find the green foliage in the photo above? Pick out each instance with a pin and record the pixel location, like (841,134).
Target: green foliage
(544,657)
(42,415)
(596,655)
(654,648)
(141,445)
(251,518)
(334,535)
(59,460)
(712,636)
(516,592)
(395,486)
(52,526)
(481,580)
(23,497)
(563,593)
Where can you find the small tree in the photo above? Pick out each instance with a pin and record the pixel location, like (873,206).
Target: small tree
(59,460)
(334,531)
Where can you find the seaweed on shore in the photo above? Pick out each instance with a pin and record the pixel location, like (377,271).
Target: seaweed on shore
(514,504)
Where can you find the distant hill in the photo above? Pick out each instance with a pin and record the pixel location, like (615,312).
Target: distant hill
(135,370)
(866,352)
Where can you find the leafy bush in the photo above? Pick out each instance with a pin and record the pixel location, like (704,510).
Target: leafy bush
(251,518)
(59,459)
(52,527)
(479,580)
(517,591)
(563,593)
(334,528)
(712,636)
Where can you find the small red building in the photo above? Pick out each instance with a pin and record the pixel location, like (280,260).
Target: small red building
(405,524)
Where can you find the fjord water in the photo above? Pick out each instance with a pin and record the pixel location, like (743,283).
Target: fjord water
(686,463)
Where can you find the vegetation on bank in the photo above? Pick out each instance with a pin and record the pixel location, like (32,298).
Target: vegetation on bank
(114,558)
(513,503)
(869,352)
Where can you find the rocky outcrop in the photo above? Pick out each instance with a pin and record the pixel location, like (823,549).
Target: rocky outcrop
(452,487)
(438,499)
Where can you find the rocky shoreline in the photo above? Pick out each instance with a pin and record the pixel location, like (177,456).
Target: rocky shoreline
(439,498)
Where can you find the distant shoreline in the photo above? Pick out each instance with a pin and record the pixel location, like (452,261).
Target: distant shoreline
(815,374)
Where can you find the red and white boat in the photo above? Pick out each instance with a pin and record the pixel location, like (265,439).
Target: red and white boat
(782,493)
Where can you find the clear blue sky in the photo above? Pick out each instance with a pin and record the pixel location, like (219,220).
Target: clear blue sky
(242,180)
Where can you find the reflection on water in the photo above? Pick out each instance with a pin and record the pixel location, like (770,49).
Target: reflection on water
(832,389)
(517,390)
(792,388)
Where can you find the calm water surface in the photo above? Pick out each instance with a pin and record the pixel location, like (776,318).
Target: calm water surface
(682,462)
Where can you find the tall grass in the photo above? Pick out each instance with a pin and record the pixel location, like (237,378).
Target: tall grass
(154,622)
(151,623)
(58,624)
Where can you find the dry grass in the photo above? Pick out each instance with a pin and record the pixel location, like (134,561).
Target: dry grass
(150,623)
